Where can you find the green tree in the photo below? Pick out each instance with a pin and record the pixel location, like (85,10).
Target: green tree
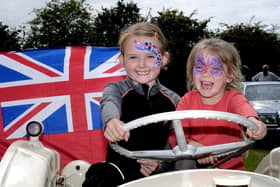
(256,45)
(109,22)
(182,32)
(61,23)
(10,40)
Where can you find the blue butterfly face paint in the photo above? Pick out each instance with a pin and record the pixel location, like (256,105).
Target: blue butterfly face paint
(204,63)
(150,47)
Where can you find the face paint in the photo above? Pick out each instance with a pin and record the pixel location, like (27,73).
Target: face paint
(203,63)
(150,47)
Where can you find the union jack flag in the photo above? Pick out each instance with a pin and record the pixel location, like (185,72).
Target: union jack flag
(61,88)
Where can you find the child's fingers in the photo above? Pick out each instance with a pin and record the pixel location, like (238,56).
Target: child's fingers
(261,131)
(207,160)
(126,136)
(148,166)
(114,131)
(110,136)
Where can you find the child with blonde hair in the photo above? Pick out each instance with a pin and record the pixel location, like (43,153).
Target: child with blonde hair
(143,53)
(214,75)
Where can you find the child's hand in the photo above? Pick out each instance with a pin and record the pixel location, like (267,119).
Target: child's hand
(204,159)
(260,133)
(148,166)
(114,131)
(207,160)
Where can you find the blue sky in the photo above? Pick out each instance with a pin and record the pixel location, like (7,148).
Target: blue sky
(18,12)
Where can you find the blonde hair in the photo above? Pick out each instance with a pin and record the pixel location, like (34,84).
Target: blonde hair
(143,29)
(228,55)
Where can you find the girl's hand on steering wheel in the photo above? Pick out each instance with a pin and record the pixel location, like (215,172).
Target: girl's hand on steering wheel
(260,133)
(207,160)
(149,166)
(114,131)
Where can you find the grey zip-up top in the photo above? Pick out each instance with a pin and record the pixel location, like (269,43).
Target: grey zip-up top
(127,101)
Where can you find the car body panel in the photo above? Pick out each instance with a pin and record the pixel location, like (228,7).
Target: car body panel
(264,96)
(266,106)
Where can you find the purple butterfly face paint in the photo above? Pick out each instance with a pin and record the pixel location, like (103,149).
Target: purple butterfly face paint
(150,47)
(204,63)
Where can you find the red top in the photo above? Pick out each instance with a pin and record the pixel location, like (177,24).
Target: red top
(212,131)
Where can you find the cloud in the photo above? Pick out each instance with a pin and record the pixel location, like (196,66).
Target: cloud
(17,12)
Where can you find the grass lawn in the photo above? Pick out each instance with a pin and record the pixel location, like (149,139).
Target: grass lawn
(253,158)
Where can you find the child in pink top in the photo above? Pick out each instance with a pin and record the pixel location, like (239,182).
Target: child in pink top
(214,75)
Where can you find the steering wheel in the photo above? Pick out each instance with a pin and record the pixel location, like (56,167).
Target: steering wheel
(184,150)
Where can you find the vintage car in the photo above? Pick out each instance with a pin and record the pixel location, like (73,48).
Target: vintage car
(31,164)
(265,98)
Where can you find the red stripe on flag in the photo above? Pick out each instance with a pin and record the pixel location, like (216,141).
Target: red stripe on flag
(76,78)
(97,98)
(56,88)
(31,64)
(114,68)
(26,118)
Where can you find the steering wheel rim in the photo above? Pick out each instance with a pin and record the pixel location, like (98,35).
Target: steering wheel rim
(184,150)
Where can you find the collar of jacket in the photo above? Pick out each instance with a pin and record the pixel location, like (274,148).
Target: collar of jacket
(142,90)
